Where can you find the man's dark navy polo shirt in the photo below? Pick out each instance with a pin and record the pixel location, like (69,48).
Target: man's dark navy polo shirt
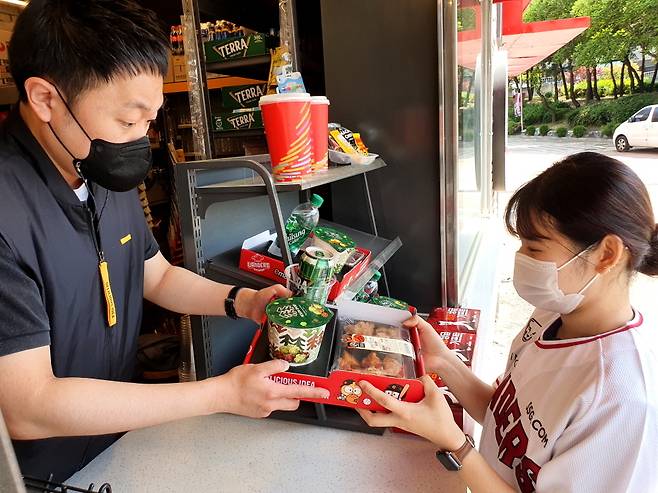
(50,287)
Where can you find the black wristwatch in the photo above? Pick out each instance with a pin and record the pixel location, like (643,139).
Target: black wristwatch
(453,461)
(229,303)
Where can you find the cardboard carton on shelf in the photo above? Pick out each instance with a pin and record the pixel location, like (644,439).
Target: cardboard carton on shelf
(323,373)
(458,329)
(242,120)
(255,258)
(243,96)
(235,48)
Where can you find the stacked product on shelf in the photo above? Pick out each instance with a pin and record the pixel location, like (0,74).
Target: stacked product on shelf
(5,35)
(458,329)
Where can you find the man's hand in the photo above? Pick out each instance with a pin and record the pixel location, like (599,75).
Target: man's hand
(251,304)
(250,392)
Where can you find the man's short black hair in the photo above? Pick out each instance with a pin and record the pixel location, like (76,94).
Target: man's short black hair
(79,44)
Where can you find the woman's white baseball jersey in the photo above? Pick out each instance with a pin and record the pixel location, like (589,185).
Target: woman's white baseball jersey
(577,415)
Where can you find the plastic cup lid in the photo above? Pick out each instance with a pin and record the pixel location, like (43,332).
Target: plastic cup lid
(319,100)
(290,97)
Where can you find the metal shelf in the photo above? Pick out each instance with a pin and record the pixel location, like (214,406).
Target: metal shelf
(240,62)
(8,95)
(225,266)
(250,132)
(213,83)
(250,187)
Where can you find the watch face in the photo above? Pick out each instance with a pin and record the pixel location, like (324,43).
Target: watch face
(449,461)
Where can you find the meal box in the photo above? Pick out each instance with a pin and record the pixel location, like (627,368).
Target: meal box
(319,373)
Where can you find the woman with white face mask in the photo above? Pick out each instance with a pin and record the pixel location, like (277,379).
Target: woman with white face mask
(576,409)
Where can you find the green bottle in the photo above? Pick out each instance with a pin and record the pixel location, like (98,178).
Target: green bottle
(302,221)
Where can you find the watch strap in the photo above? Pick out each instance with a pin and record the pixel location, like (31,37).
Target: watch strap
(229,303)
(461,453)
(453,460)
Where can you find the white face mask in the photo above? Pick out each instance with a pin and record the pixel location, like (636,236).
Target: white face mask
(536,282)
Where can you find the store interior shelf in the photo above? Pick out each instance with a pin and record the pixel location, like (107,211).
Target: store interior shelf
(239,62)
(249,187)
(213,83)
(8,95)
(250,132)
(225,266)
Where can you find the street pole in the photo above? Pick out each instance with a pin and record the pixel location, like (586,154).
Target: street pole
(522,109)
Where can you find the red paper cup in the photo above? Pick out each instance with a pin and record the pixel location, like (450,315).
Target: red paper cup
(287,120)
(320,132)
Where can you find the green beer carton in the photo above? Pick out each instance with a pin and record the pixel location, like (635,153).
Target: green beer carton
(244,120)
(232,48)
(246,96)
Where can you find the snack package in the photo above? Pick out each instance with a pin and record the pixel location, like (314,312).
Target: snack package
(290,82)
(375,349)
(344,140)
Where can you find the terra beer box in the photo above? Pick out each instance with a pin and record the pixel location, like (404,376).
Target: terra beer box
(328,372)
(255,258)
(232,48)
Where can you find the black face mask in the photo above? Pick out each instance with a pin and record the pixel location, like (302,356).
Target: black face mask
(116,167)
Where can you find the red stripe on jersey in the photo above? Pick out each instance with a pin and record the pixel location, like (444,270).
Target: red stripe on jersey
(576,342)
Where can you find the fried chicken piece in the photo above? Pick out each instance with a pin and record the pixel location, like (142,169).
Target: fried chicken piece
(372,361)
(362,328)
(393,367)
(388,332)
(347,362)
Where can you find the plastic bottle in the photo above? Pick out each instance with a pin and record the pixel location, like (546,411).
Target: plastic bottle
(302,221)
(371,288)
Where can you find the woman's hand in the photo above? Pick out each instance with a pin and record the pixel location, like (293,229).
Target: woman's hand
(434,349)
(430,418)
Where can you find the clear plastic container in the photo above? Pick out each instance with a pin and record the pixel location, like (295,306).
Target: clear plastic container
(375,349)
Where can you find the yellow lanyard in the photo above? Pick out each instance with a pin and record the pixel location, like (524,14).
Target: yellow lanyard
(104,270)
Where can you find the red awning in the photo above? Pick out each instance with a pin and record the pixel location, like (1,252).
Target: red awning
(526,44)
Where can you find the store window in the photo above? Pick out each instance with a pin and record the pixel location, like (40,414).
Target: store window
(470,93)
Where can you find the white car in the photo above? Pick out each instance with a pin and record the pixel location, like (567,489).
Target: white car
(641,129)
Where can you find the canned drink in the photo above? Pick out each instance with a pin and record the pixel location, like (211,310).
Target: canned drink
(316,266)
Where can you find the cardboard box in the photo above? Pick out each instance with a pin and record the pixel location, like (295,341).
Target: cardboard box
(255,258)
(233,48)
(321,375)
(5,76)
(458,329)
(462,319)
(169,77)
(180,73)
(231,122)
(245,96)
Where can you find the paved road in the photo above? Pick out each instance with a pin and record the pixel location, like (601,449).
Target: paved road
(527,157)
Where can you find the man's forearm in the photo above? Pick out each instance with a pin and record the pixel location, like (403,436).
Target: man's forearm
(79,406)
(182,291)
(471,392)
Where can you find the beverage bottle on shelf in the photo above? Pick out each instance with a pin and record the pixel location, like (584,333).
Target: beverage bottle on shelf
(370,290)
(301,223)
(172,39)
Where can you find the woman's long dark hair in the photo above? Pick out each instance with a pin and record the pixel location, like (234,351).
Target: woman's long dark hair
(585,197)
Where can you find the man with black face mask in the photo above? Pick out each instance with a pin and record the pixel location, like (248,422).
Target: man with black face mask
(76,257)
